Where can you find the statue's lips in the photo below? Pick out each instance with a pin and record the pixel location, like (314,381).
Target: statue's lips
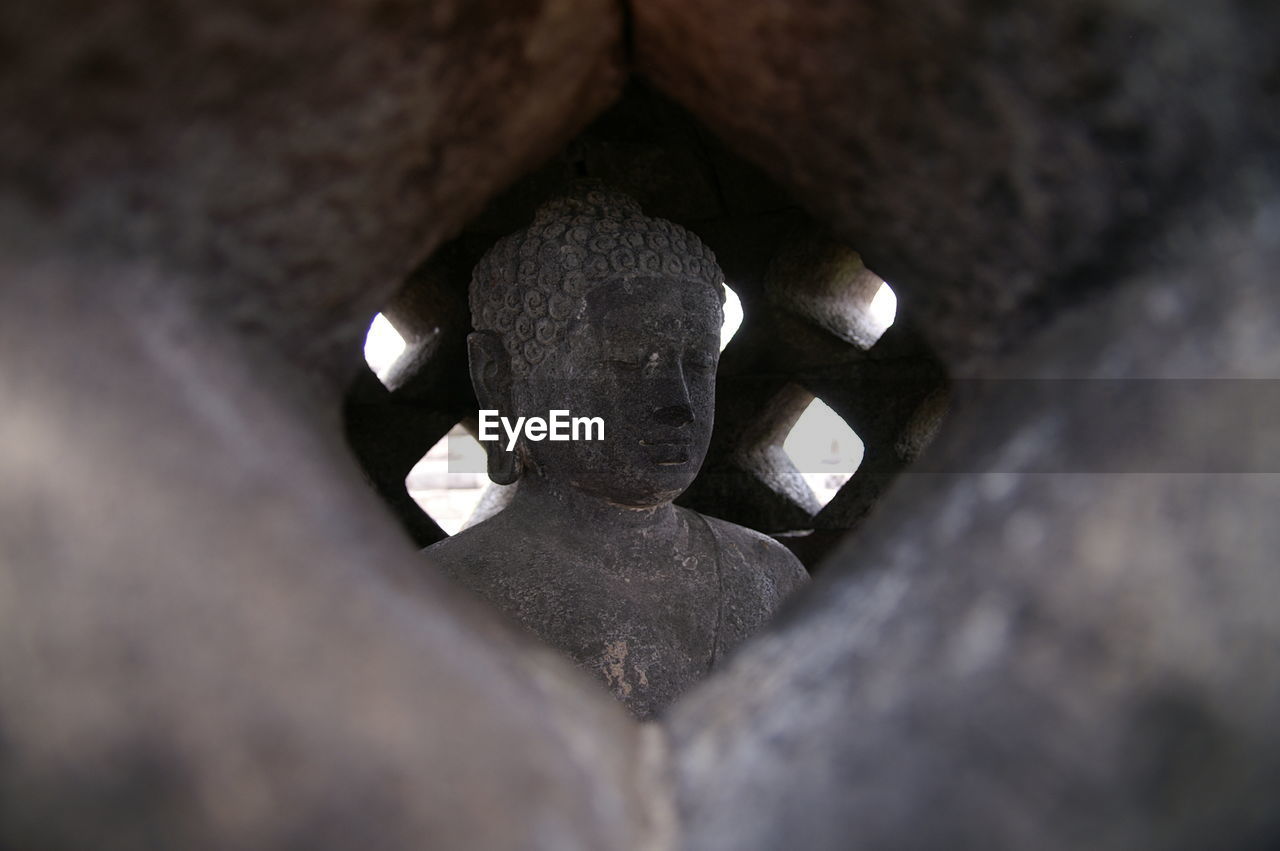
(668,452)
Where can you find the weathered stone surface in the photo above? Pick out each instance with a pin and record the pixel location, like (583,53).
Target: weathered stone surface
(210,633)
(599,311)
(295,160)
(990,160)
(215,637)
(211,636)
(1064,633)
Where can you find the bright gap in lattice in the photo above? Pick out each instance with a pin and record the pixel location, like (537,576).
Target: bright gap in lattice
(450,479)
(824,449)
(732,316)
(383,345)
(883,308)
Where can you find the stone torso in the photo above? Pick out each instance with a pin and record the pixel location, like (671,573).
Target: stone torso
(648,613)
(601,311)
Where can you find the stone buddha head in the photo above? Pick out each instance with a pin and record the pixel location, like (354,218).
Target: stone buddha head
(604,312)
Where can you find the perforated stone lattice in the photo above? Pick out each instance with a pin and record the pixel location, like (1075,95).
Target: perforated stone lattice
(793,346)
(211,635)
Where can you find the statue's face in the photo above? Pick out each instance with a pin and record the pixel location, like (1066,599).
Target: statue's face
(644,359)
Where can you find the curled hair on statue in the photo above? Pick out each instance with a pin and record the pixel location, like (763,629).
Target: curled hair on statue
(533,283)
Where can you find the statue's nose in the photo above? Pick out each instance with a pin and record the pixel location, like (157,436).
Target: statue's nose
(671,404)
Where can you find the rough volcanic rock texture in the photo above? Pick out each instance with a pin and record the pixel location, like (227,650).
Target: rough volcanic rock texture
(297,158)
(210,639)
(989,159)
(1064,633)
(210,636)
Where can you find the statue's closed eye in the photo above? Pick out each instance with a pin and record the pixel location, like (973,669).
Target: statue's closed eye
(624,357)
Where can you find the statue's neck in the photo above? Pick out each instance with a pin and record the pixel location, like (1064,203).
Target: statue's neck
(569,510)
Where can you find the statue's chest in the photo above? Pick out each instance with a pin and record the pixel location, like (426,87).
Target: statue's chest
(672,592)
(673,579)
(644,613)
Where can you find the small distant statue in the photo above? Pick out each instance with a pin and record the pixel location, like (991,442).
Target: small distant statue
(600,311)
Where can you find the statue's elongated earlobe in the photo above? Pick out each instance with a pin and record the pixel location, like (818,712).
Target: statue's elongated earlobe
(504,467)
(491,378)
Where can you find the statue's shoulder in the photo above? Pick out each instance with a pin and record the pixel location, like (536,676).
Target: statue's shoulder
(471,552)
(759,551)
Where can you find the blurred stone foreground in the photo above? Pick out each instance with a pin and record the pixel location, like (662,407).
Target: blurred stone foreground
(213,635)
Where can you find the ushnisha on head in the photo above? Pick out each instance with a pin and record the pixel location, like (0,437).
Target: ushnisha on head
(603,311)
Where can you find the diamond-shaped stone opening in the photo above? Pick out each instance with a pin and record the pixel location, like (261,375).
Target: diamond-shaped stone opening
(732,316)
(383,346)
(825,283)
(450,479)
(824,449)
(883,309)
(865,311)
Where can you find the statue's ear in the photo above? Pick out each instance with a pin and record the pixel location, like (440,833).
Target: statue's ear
(491,378)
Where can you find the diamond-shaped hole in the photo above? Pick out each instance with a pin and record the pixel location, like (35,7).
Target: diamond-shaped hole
(450,479)
(824,449)
(732,316)
(882,309)
(383,345)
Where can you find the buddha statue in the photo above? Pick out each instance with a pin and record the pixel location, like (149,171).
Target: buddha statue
(600,311)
